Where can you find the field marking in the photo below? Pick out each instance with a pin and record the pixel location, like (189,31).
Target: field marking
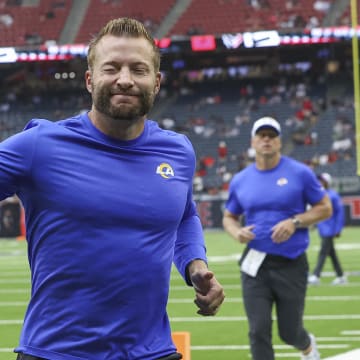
(14,291)
(13,303)
(236,275)
(351,355)
(350,284)
(247,347)
(6,274)
(243,318)
(225,318)
(11,322)
(337,338)
(350,332)
(14,281)
(191,300)
(240,300)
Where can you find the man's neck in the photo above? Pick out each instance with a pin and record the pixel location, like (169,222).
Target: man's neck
(267,162)
(117,129)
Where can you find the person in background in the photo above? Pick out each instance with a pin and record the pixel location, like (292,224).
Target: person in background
(267,210)
(108,206)
(328,230)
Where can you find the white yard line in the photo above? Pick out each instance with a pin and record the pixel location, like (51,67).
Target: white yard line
(190,319)
(331,317)
(350,355)
(188,300)
(350,284)
(350,332)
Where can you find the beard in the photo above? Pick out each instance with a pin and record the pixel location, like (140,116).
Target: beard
(102,101)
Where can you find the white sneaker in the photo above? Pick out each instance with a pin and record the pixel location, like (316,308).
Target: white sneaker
(314,353)
(313,280)
(340,280)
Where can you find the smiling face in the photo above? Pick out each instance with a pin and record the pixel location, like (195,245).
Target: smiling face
(122,80)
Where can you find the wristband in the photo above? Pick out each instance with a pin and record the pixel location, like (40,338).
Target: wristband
(296,221)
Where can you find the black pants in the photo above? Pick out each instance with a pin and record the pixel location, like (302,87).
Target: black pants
(328,249)
(175,356)
(281,282)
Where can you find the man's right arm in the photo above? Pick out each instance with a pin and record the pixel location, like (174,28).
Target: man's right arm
(16,154)
(231,224)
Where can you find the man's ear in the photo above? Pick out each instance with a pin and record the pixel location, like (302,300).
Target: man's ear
(157,84)
(88,80)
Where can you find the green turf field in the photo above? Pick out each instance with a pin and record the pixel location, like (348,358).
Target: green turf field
(332,313)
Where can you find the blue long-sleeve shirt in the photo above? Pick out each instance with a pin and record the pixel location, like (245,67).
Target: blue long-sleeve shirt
(105,219)
(333,225)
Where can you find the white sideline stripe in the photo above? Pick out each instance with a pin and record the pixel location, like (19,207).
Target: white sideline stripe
(228,300)
(243,318)
(286,355)
(179,287)
(247,347)
(227,318)
(350,332)
(11,322)
(232,257)
(7,274)
(4,276)
(213,259)
(236,275)
(13,303)
(224,258)
(15,281)
(351,355)
(240,300)
(350,284)
(339,338)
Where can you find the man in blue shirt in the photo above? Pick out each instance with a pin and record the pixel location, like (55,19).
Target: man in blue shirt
(328,230)
(267,210)
(108,206)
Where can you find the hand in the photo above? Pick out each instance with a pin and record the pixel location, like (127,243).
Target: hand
(245,234)
(282,231)
(209,293)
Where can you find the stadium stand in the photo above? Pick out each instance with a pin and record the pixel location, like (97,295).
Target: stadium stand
(210,113)
(32,24)
(209,107)
(35,22)
(222,16)
(100,11)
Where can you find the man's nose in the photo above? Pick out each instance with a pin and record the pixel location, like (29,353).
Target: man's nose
(125,79)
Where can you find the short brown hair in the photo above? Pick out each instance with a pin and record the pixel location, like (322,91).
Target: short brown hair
(123,27)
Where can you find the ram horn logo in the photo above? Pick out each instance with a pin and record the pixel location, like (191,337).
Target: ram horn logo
(165,170)
(282,181)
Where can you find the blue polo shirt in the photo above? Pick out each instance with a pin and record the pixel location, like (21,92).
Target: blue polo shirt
(266,197)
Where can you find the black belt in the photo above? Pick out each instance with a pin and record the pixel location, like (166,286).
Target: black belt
(28,357)
(175,356)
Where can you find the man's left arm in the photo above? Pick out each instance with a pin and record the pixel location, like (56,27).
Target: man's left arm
(209,294)
(319,211)
(316,213)
(191,261)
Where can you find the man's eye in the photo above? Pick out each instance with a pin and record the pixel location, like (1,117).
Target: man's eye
(139,71)
(109,69)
